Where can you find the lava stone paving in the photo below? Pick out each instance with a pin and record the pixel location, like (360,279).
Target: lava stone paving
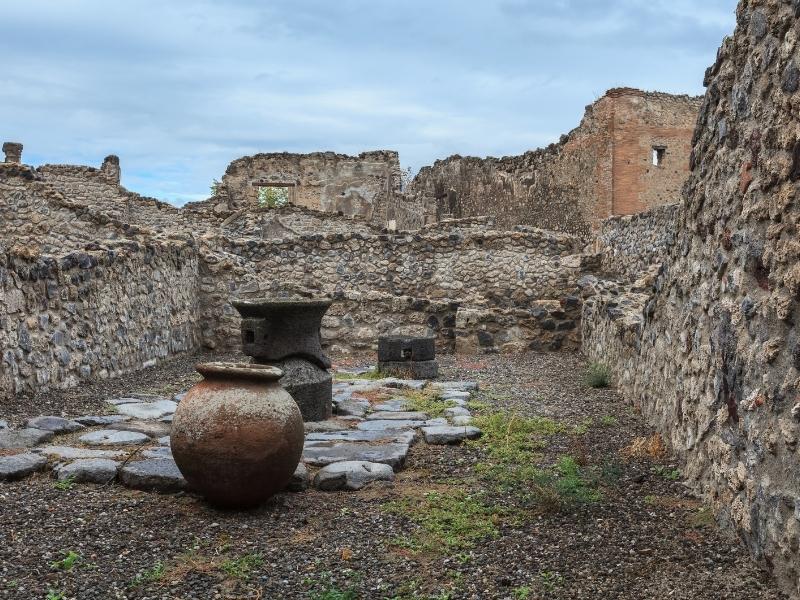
(446,521)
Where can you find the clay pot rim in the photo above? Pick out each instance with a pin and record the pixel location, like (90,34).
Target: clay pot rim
(223,370)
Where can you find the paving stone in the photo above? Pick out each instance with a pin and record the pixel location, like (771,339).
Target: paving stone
(178,397)
(460,386)
(94,420)
(444,434)
(153,429)
(164,441)
(401,436)
(23,438)
(300,479)
(321,453)
(112,437)
(70,453)
(88,470)
(54,424)
(462,420)
(351,475)
(3,424)
(389,424)
(158,452)
(353,407)
(456,402)
(436,421)
(454,395)
(408,384)
(167,419)
(397,416)
(148,410)
(457,411)
(329,425)
(18,466)
(119,401)
(392,405)
(158,474)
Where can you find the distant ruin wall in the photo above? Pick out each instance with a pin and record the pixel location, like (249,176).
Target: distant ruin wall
(711,352)
(323,181)
(603,167)
(89,315)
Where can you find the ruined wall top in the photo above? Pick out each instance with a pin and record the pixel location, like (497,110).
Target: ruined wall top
(13,152)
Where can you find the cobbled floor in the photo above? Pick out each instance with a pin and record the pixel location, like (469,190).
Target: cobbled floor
(506,478)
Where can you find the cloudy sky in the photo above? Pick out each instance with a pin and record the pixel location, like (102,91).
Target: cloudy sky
(179,88)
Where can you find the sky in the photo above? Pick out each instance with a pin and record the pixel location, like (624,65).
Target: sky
(179,88)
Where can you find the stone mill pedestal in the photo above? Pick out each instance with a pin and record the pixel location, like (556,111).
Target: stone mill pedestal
(285,334)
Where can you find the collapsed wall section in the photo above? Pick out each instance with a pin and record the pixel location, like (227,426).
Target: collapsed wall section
(710,350)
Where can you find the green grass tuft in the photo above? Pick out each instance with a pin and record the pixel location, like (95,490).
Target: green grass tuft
(597,375)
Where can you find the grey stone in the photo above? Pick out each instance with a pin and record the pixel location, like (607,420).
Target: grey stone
(353,407)
(454,395)
(462,420)
(178,397)
(351,475)
(3,424)
(167,419)
(401,436)
(93,420)
(18,466)
(165,441)
(408,384)
(300,479)
(70,453)
(397,416)
(153,429)
(393,405)
(436,421)
(443,434)
(399,348)
(159,474)
(120,401)
(457,411)
(459,386)
(88,470)
(54,424)
(158,452)
(389,424)
(310,386)
(322,453)
(148,410)
(111,437)
(23,438)
(413,369)
(329,425)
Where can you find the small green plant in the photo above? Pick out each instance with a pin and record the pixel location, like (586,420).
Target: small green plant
(151,575)
(667,473)
(242,567)
(325,589)
(371,374)
(71,558)
(448,521)
(65,484)
(598,375)
(550,580)
(650,499)
(521,593)
(54,595)
(429,402)
(608,421)
(216,187)
(584,426)
(273,196)
(703,518)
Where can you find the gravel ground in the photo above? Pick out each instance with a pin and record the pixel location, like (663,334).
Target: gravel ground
(646,538)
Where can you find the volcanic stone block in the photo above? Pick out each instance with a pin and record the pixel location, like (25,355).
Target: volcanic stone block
(412,369)
(310,386)
(396,348)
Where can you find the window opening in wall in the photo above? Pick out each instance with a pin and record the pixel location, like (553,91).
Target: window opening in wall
(659,152)
(274,195)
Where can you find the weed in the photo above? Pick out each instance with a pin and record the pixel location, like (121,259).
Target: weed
(65,484)
(582,427)
(371,374)
(242,567)
(155,573)
(429,402)
(54,595)
(550,580)
(667,473)
(71,558)
(448,521)
(608,421)
(650,499)
(521,593)
(597,375)
(703,518)
(325,589)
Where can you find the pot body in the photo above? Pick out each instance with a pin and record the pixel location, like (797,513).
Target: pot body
(237,436)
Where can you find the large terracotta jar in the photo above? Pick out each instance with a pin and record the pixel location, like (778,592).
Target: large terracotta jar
(237,436)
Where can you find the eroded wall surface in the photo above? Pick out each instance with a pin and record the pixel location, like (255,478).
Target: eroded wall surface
(709,348)
(601,168)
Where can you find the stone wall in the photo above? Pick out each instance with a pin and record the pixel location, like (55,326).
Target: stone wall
(93,314)
(323,181)
(630,244)
(601,168)
(710,351)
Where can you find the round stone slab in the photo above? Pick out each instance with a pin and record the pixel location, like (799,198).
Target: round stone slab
(351,475)
(89,470)
(18,466)
(23,438)
(158,474)
(148,410)
(109,437)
